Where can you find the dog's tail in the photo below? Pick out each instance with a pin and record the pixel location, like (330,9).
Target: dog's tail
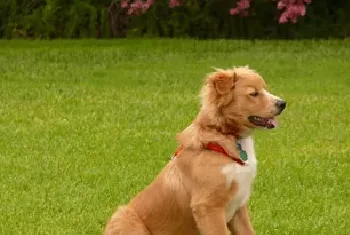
(125,222)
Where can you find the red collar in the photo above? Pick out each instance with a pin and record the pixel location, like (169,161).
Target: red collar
(216,148)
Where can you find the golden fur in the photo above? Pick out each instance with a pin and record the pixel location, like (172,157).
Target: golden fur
(190,194)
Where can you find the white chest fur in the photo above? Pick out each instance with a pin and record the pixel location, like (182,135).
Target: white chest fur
(241,175)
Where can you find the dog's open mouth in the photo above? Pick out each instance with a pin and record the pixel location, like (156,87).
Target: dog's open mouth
(268,123)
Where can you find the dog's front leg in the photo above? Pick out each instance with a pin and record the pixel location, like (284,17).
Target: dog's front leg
(210,220)
(240,223)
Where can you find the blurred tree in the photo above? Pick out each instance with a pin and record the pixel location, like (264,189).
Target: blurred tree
(291,8)
(174,18)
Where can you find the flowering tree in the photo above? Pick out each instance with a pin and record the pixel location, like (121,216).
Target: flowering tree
(291,9)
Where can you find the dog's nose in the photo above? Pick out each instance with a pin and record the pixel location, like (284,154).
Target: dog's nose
(281,104)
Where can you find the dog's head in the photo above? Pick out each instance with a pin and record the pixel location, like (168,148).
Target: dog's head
(237,99)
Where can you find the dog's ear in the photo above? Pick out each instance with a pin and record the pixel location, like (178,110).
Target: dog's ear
(223,81)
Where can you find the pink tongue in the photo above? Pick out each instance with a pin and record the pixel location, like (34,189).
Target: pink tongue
(273,121)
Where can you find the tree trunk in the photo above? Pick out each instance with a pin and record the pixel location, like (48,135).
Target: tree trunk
(118,19)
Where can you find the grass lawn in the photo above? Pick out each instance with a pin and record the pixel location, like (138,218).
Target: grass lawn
(85,125)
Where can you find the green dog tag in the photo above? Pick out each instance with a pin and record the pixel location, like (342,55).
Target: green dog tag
(243,155)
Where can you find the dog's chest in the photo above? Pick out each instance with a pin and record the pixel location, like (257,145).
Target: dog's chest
(243,176)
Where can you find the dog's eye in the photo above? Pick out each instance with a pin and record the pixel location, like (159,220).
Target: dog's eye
(254,94)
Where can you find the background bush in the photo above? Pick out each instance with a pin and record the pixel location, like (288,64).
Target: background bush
(198,18)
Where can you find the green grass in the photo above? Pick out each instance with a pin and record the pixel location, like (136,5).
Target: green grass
(85,125)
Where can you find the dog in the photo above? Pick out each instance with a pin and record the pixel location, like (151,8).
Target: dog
(205,188)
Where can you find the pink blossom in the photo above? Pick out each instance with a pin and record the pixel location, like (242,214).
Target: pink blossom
(139,6)
(283,18)
(292,9)
(281,5)
(243,4)
(174,3)
(302,10)
(147,5)
(130,11)
(234,11)
(124,3)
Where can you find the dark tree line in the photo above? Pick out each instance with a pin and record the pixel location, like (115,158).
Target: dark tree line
(196,18)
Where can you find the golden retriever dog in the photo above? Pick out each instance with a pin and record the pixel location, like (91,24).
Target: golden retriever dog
(205,188)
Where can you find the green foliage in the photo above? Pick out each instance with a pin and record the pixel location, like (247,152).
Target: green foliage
(51,18)
(211,19)
(199,19)
(82,20)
